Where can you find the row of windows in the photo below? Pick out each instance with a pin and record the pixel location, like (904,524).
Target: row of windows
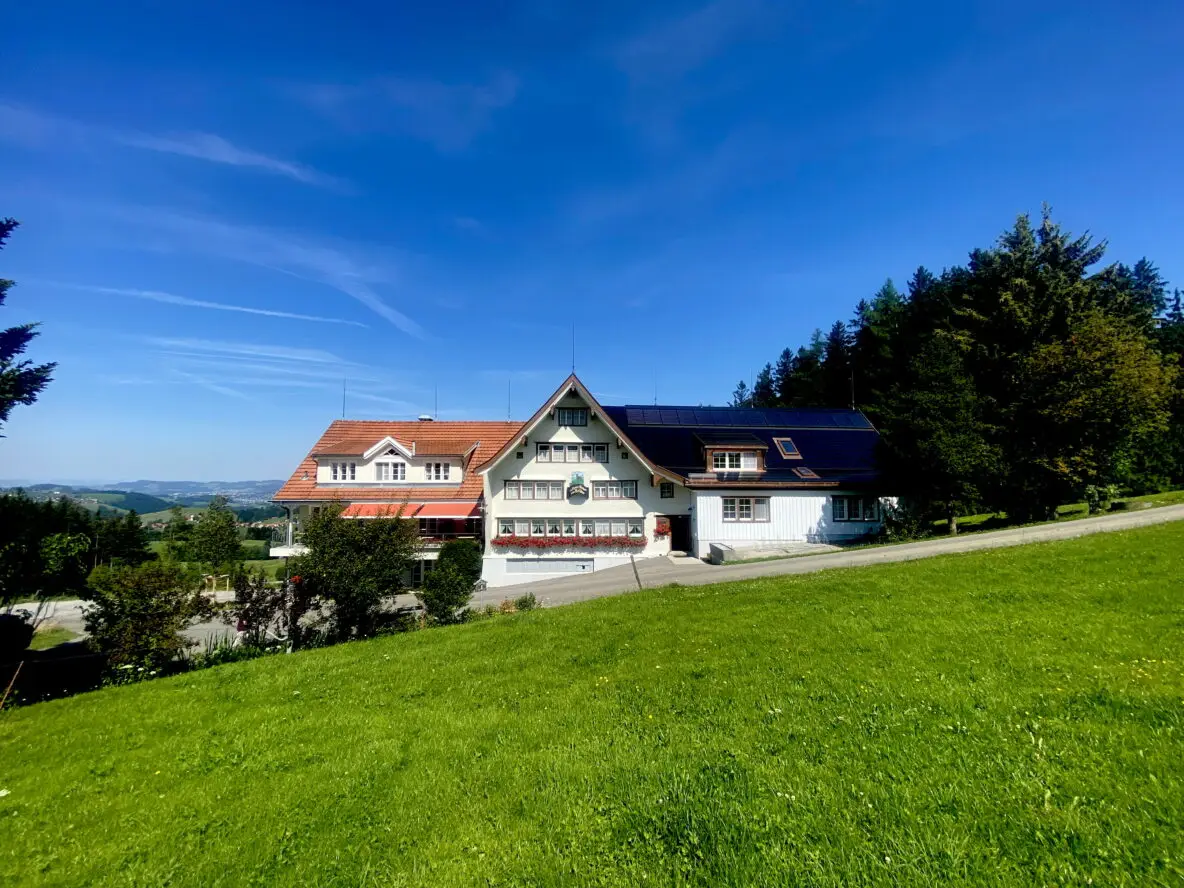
(390,471)
(571,527)
(572,453)
(540,490)
(746,508)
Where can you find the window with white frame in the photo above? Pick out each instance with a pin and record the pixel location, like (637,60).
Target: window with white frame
(603,528)
(505,527)
(437,471)
(558,453)
(855,508)
(390,471)
(746,508)
(600,452)
(343,471)
(572,416)
(636,527)
(587,527)
(522,527)
(534,490)
(569,527)
(538,527)
(666,490)
(554,527)
(614,490)
(733,460)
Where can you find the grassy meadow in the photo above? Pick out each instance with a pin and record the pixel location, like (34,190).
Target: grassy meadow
(1013,717)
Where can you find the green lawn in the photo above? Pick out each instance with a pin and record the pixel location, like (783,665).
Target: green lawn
(1013,717)
(1071,512)
(45,639)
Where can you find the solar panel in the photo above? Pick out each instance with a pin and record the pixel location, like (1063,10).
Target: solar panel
(733,417)
(634,416)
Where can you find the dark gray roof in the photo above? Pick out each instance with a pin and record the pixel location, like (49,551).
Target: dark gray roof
(839,445)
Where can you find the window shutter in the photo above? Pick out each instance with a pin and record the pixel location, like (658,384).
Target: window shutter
(760,509)
(748,461)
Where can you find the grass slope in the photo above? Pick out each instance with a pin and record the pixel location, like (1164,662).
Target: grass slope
(1012,717)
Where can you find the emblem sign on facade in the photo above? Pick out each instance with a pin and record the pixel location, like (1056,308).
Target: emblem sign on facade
(577,486)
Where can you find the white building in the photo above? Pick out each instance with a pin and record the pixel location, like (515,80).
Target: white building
(580,486)
(583,486)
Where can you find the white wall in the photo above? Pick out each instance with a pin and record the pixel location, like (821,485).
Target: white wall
(648,505)
(366,473)
(796,516)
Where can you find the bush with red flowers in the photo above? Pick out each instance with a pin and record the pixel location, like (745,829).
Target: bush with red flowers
(570,542)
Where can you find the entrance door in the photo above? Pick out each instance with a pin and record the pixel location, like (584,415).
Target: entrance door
(680,533)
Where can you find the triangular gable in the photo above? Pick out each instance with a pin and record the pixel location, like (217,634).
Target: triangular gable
(573,384)
(386,444)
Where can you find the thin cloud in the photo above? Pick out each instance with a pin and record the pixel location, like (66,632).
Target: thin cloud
(212,386)
(244,349)
(25,126)
(679,45)
(173,299)
(267,249)
(447,115)
(215,149)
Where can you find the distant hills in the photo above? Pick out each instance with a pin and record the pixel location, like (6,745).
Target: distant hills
(153,498)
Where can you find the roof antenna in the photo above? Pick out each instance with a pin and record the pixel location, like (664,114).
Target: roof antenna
(573,348)
(436,403)
(655,388)
(343,397)
(852,388)
(507,399)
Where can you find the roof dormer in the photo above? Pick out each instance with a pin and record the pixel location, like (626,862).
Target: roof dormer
(388,446)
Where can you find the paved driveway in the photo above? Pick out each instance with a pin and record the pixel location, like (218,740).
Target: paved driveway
(662,571)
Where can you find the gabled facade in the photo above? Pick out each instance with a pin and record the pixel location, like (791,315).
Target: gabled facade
(570,493)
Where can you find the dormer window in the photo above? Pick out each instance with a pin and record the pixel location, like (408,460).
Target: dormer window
(733,460)
(437,471)
(390,471)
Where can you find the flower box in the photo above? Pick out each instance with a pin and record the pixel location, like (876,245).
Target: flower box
(570,542)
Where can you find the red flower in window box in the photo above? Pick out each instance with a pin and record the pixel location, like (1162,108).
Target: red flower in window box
(662,528)
(570,542)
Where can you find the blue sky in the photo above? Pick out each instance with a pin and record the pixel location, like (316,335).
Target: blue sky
(228,208)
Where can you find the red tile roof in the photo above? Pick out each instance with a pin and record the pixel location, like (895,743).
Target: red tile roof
(349,437)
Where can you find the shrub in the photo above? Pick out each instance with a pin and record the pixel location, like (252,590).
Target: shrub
(1099,496)
(446,591)
(258,610)
(526,602)
(902,522)
(136,614)
(464,555)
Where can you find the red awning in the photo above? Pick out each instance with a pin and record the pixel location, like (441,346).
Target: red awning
(381,510)
(448,510)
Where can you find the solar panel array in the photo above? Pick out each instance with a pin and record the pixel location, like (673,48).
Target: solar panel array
(743,417)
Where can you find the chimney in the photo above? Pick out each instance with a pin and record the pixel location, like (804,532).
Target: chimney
(426,417)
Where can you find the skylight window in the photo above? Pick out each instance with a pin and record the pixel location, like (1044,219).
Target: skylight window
(788,449)
(806,472)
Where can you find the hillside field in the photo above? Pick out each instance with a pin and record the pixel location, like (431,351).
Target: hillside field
(1012,717)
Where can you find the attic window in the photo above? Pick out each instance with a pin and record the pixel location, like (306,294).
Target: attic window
(391,452)
(806,472)
(788,449)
